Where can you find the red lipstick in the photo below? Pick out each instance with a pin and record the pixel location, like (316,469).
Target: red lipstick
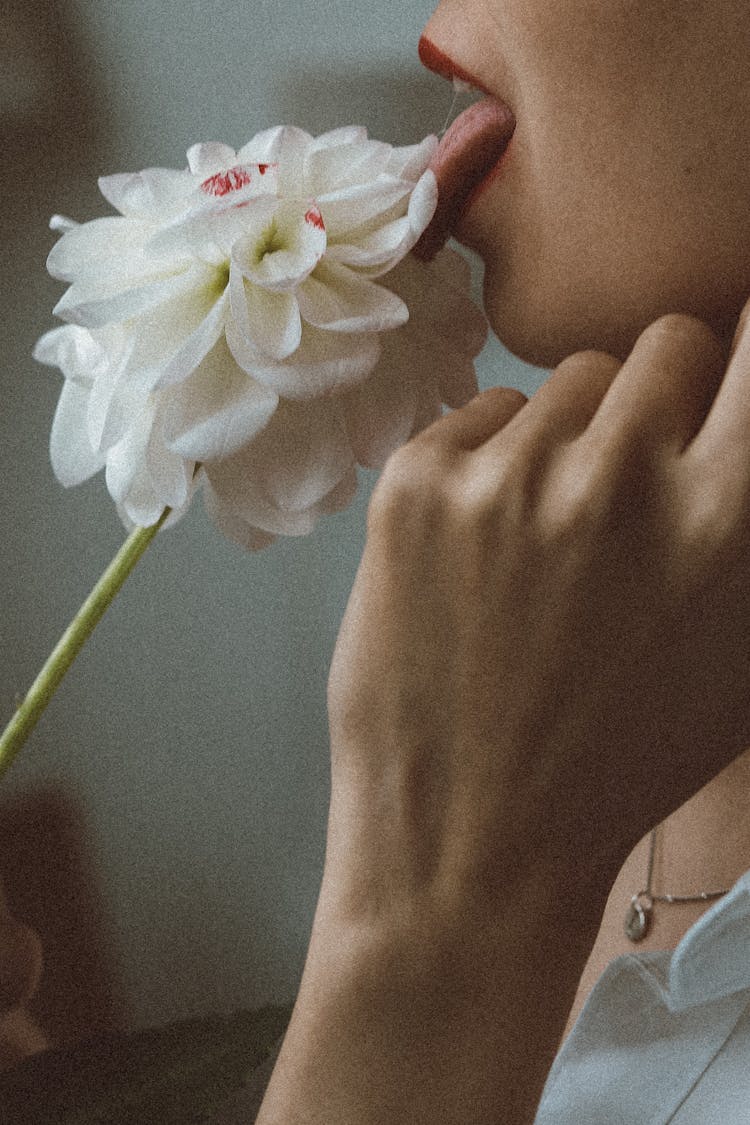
(439,63)
(469,155)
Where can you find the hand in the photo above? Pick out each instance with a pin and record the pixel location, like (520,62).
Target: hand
(547,647)
(545,652)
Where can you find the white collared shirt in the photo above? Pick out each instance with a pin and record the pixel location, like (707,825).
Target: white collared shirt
(664,1037)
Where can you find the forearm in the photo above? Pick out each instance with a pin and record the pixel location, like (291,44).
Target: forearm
(457,1021)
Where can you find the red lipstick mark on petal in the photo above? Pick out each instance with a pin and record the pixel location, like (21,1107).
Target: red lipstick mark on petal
(439,63)
(314,218)
(225,182)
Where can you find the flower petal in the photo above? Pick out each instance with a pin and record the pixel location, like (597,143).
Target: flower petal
(282,251)
(155,193)
(192,349)
(380,251)
(102,246)
(62,223)
(169,341)
(323,364)
(95,303)
(141,503)
(306,454)
(375,253)
(343,135)
(340,300)
(210,228)
(301,455)
(380,412)
(234,527)
(74,350)
(264,148)
(249,504)
(113,396)
(73,459)
(362,207)
(269,322)
(409,162)
(293,146)
(208,157)
(342,158)
(218,410)
(422,204)
(446,328)
(170,475)
(126,459)
(341,496)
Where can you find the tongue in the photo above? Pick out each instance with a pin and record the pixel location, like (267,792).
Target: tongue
(469,150)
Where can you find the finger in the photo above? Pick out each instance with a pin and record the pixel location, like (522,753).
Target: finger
(739,332)
(565,404)
(726,430)
(666,386)
(475,423)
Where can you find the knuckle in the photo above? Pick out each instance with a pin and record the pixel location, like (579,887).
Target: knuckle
(715,527)
(572,502)
(590,361)
(682,329)
(477,501)
(503,395)
(595,489)
(408,483)
(495,498)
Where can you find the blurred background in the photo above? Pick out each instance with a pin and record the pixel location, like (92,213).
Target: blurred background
(164,828)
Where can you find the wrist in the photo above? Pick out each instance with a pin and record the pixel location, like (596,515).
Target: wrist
(401,880)
(536,913)
(417,1014)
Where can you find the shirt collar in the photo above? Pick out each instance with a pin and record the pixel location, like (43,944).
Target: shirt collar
(713,958)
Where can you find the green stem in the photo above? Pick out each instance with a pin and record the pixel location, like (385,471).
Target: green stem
(72,641)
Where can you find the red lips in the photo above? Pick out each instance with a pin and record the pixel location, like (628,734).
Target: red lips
(440,63)
(471,149)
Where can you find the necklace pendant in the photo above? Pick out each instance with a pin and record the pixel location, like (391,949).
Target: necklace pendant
(638,918)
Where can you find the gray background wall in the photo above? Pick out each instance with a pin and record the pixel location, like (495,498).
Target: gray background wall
(192,732)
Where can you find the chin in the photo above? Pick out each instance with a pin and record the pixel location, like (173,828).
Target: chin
(543,330)
(542,324)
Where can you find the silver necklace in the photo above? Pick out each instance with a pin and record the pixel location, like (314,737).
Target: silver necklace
(640,912)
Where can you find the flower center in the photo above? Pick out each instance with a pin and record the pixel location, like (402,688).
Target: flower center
(220,281)
(270,242)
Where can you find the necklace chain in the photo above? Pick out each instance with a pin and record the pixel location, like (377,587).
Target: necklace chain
(640,912)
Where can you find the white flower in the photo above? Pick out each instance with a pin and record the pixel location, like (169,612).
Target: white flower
(231,325)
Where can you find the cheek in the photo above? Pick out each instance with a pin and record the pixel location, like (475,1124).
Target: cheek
(628,191)
(603,221)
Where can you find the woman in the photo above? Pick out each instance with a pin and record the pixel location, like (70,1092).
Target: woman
(545,654)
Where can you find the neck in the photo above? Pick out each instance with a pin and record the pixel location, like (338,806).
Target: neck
(705,844)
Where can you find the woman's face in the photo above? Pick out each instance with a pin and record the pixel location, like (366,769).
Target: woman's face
(625,192)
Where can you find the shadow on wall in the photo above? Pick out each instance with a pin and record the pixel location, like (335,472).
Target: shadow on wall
(51,112)
(397,104)
(51,885)
(52,118)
